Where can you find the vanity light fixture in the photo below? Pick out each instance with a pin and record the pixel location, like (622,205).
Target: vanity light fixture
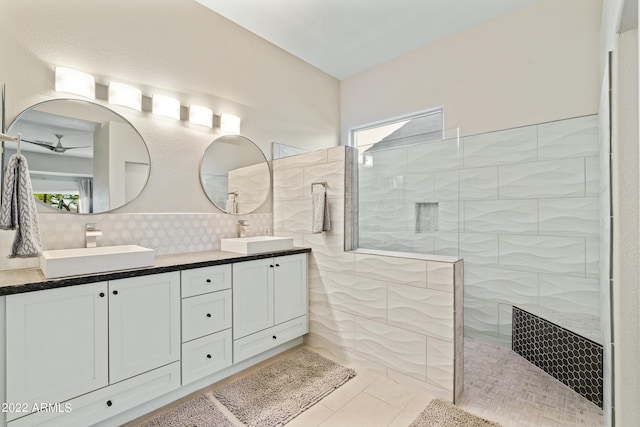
(83,84)
(230,123)
(125,95)
(166,106)
(201,115)
(76,82)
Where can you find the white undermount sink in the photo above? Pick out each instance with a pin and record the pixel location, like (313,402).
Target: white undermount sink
(256,244)
(77,261)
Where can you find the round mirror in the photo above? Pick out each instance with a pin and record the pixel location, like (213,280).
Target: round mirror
(82,157)
(235,174)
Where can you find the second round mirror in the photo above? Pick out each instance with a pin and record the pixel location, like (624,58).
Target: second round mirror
(235,174)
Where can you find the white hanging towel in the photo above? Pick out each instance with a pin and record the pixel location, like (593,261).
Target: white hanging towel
(18,211)
(231,206)
(320,209)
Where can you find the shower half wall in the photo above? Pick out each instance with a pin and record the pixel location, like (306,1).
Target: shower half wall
(519,205)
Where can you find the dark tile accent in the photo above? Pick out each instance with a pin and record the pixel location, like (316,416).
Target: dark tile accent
(572,359)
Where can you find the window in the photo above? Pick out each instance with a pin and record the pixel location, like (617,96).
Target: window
(407,185)
(417,127)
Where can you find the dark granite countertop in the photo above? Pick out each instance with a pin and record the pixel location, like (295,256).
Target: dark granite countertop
(32,279)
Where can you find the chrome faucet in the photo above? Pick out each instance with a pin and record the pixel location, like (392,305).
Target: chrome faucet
(242,224)
(91,234)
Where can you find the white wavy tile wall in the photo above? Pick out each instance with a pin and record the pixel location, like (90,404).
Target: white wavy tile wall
(521,209)
(479,183)
(592,170)
(501,147)
(544,254)
(546,217)
(501,216)
(419,186)
(440,359)
(391,346)
(424,311)
(433,156)
(569,217)
(501,286)
(391,314)
(400,270)
(351,294)
(568,138)
(535,180)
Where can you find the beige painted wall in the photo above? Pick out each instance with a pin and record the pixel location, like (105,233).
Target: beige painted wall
(536,64)
(176,48)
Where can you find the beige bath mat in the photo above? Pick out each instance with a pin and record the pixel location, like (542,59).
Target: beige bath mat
(443,414)
(277,393)
(199,412)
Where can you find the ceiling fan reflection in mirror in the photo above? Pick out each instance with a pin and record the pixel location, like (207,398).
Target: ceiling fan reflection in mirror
(56,148)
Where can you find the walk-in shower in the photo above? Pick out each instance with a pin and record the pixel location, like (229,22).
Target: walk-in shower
(520,206)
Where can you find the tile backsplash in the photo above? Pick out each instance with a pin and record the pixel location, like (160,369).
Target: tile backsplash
(166,233)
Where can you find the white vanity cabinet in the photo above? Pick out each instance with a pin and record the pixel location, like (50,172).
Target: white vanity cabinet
(95,340)
(93,351)
(269,303)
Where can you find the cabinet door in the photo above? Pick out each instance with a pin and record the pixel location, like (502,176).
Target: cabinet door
(252,296)
(56,343)
(290,287)
(144,324)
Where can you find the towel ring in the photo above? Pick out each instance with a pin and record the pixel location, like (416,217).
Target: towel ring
(323,183)
(17,139)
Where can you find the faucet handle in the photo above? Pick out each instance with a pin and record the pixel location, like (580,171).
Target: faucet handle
(243,222)
(91,229)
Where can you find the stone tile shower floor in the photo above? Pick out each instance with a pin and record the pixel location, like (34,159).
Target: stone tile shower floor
(502,386)
(499,385)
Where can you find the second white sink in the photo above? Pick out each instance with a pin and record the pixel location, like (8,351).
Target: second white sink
(78,261)
(256,244)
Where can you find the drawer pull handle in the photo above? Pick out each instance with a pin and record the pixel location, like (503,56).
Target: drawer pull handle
(275,337)
(277,265)
(208,314)
(208,356)
(208,280)
(109,403)
(101,294)
(115,292)
(271,266)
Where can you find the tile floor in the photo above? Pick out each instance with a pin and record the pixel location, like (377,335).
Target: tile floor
(499,385)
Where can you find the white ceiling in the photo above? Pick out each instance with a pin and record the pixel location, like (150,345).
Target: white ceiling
(346,37)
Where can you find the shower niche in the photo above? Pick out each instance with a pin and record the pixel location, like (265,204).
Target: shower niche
(426,217)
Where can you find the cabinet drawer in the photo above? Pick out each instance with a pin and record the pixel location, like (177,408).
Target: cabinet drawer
(206,356)
(109,401)
(199,281)
(205,314)
(253,344)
